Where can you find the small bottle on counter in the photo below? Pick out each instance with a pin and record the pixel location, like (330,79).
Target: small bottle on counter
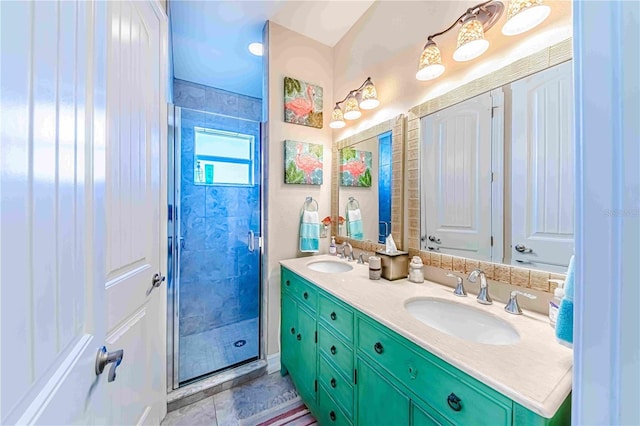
(554,304)
(375,268)
(332,247)
(416,274)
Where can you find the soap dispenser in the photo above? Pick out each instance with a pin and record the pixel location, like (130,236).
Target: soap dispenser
(333,250)
(554,304)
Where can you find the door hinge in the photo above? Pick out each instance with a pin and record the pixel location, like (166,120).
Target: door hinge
(316,338)
(492,177)
(315,385)
(492,241)
(355,376)
(492,110)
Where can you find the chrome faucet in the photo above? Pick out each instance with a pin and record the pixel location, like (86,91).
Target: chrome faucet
(483,295)
(512,305)
(361,258)
(349,256)
(459,291)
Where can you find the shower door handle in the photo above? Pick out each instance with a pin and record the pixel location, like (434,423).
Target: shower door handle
(252,243)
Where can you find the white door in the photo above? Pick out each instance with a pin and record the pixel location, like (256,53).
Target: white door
(456,180)
(52,221)
(72,271)
(543,169)
(136,321)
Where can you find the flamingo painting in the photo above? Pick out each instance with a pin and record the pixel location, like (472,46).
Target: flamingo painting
(355,167)
(303,163)
(302,103)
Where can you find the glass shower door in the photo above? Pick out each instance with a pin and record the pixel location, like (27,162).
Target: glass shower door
(218,219)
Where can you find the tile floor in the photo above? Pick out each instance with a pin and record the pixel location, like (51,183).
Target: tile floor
(212,350)
(239,406)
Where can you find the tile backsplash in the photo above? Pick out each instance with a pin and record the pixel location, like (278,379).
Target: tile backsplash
(513,275)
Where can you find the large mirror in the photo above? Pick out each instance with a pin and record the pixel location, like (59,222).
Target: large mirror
(369,194)
(497,173)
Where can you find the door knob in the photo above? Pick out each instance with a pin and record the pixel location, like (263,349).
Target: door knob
(520,248)
(103,358)
(157,280)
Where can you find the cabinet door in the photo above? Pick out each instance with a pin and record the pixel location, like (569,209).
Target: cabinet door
(379,402)
(306,354)
(542,205)
(288,331)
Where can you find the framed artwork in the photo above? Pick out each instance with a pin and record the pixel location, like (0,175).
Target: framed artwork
(355,167)
(303,163)
(302,103)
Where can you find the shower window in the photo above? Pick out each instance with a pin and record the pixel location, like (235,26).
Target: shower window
(223,158)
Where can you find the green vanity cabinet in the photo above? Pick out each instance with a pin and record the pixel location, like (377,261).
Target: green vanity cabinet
(298,334)
(352,370)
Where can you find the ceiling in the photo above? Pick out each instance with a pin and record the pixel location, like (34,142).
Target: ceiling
(210,38)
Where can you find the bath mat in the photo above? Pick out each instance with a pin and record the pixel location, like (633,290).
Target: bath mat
(299,415)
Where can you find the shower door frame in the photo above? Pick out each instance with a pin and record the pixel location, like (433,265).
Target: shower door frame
(174,174)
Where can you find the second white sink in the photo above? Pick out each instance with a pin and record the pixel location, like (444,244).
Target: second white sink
(329,266)
(463,321)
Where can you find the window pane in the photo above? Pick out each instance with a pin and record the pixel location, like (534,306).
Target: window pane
(213,144)
(221,172)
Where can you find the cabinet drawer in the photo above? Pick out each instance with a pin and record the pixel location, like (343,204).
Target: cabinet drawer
(329,412)
(335,350)
(336,316)
(306,293)
(431,382)
(340,389)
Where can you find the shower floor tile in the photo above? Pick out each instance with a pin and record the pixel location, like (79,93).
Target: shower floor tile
(215,349)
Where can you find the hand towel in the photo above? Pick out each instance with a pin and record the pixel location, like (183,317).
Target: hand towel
(354,224)
(564,323)
(309,232)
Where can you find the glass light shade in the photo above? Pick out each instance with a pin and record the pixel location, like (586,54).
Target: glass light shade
(337,119)
(430,65)
(523,15)
(351,110)
(369,96)
(471,41)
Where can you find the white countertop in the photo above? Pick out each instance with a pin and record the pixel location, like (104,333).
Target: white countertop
(535,372)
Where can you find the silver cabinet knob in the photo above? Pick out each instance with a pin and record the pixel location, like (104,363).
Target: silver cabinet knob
(103,358)
(520,248)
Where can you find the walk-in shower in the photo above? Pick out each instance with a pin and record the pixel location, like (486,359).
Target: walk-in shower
(214,251)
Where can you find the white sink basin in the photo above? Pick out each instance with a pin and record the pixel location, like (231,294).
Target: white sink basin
(463,321)
(329,266)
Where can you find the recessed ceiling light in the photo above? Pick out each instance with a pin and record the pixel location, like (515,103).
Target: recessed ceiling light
(256,49)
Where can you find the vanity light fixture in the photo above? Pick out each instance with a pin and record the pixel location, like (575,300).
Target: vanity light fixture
(523,15)
(364,97)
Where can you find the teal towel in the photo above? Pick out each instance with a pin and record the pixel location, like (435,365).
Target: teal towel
(309,232)
(564,323)
(355,230)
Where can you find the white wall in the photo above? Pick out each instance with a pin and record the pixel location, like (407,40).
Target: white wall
(293,55)
(386,42)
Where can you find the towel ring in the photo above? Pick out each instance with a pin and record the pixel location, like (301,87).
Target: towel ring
(353,204)
(310,202)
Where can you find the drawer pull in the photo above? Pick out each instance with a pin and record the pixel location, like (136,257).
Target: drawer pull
(288,283)
(378,347)
(413,373)
(293,330)
(332,416)
(333,383)
(454,402)
(333,316)
(305,295)
(333,350)
(299,337)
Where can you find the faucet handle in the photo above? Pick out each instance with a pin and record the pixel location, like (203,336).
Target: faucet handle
(512,305)
(361,258)
(459,291)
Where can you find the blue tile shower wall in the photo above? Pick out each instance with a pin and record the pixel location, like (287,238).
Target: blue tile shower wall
(219,277)
(384,184)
